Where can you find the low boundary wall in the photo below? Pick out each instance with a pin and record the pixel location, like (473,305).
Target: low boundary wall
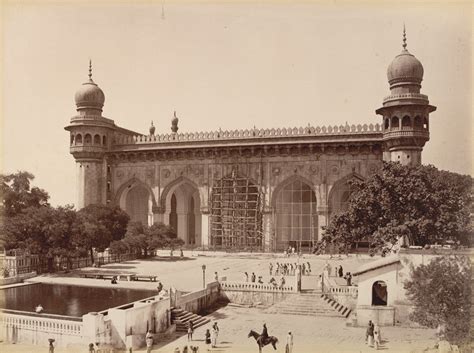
(252,293)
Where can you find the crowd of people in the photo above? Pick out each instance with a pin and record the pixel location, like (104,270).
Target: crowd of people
(289,268)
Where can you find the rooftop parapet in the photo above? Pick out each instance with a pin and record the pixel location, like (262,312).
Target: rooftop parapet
(251,134)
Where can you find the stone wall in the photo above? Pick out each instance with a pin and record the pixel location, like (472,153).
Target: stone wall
(254,293)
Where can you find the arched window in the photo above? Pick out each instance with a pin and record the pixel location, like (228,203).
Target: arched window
(296,217)
(104,140)
(72,139)
(96,140)
(87,139)
(379,293)
(406,121)
(395,122)
(387,123)
(425,123)
(418,123)
(78,139)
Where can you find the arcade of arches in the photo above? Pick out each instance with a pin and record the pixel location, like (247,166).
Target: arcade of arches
(295,220)
(182,206)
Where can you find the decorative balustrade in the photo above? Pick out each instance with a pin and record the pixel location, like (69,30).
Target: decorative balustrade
(405,96)
(255,287)
(250,134)
(344,290)
(64,325)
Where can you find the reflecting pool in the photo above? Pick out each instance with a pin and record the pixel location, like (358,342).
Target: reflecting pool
(68,300)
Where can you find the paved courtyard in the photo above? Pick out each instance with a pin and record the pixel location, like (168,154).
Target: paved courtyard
(311,334)
(186,273)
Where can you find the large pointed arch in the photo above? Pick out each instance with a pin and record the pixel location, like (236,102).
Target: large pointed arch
(295,214)
(165,193)
(180,201)
(137,199)
(339,193)
(289,180)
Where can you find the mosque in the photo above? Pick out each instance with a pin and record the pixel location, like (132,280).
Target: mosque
(253,189)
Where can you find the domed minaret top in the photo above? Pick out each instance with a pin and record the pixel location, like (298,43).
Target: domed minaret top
(89,97)
(174,123)
(405,70)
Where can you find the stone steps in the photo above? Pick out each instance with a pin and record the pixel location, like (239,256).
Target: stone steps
(181,318)
(311,304)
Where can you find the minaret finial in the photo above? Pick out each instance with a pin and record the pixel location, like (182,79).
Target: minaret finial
(404,45)
(90,70)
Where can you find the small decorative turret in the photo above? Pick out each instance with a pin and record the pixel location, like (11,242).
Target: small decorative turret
(174,123)
(405,111)
(152,129)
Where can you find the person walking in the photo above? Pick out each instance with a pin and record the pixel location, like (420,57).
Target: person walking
(91,348)
(377,336)
(149,341)
(215,334)
(369,334)
(190,330)
(289,343)
(341,272)
(348,278)
(208,338)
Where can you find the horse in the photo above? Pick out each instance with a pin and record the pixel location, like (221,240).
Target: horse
(271,339)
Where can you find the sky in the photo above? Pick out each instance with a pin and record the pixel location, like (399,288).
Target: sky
(228,66)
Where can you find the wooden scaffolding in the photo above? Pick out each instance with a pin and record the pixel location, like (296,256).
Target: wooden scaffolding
(236,215)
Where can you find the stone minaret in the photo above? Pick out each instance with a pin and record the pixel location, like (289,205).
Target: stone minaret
(405,111)
(90,137)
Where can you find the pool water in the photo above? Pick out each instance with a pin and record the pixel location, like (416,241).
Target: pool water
(68,300)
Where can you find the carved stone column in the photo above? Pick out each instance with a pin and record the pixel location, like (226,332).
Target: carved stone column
(205,236)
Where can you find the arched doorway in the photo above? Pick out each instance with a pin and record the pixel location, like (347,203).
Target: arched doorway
(296,217)
(379,293)
(183,212)
(137,203)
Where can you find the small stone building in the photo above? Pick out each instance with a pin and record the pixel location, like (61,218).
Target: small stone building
(381,294)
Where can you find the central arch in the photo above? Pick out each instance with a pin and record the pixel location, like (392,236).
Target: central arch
(182,206)
(136,198)
(296,222)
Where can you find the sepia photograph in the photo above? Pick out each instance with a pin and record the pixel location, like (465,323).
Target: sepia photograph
(236,176)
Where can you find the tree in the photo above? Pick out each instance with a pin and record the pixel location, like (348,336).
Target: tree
(98,226)
(441,294)
(17,194)
(44,230)
(419,204)
(146,239)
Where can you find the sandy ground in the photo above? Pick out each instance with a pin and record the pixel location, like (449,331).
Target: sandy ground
(311,334)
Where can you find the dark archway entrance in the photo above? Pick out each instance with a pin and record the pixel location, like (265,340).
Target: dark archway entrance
(379,293)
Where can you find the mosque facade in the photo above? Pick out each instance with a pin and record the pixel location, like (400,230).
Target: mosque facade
(254,189)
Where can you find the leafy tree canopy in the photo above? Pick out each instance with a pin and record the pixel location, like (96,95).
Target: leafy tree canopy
(441,294)
(17,194)
(42,230)
(98,226)
(145,239)
(420,204)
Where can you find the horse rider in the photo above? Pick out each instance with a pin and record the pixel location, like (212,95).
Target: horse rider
(264,335)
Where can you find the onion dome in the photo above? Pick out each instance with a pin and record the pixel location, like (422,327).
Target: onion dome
(152,129)
(174,123)
(89,95)
(405,68)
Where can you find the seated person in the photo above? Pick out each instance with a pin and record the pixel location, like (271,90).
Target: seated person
(114,280)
